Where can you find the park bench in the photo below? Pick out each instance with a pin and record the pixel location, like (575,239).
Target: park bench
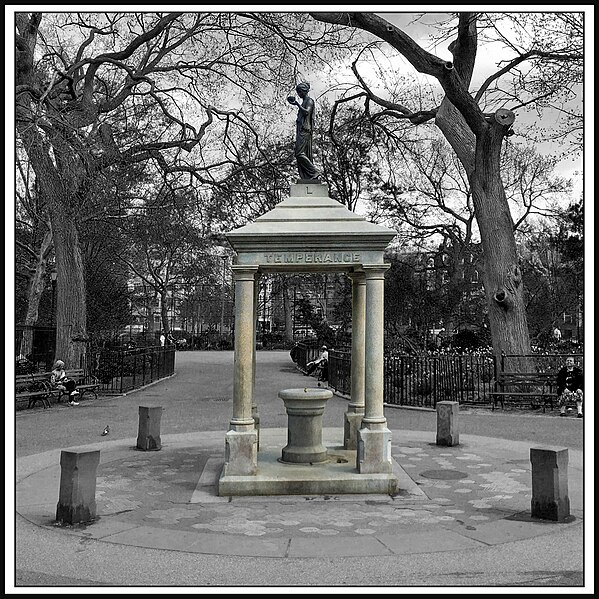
(33,388)
(531,388)
(85,383)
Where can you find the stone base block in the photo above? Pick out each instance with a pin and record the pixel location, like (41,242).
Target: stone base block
(148,434)
(374,451)
(241,453)
(336,476)
(352,423)
(77,495)
(448,433)
(550,499)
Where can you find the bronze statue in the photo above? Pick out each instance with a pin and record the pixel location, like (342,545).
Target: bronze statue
(304,127)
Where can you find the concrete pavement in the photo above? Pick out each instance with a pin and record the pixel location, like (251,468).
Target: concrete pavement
(461,518)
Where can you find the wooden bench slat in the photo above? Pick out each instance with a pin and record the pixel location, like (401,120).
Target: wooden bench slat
(541,385)
(32,395)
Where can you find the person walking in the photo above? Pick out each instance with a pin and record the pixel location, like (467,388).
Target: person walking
(60,380)
(569,387)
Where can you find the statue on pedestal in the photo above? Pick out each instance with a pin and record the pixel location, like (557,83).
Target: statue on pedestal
(303,137)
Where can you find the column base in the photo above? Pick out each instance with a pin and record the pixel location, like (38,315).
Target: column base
(352,422)
(241,453)
(374,451)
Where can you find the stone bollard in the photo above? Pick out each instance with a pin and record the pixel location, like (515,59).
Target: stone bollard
(550,499)
(148,435)
(77,496)
(448,431)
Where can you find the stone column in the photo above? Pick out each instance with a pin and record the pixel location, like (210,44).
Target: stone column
(374,438)
(77,495)
(355,409)
(241,441)
(255,414)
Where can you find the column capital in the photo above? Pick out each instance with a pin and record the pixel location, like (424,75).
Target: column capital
(241,272)
(375,271)
(357,276)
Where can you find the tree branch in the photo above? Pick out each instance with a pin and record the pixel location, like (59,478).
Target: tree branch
(424,62)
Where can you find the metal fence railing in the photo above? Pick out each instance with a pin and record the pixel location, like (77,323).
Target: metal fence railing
(122,370)
(425,380)
(421,380)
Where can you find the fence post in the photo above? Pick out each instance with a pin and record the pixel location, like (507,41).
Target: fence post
(401,380)
(435,397)
(121,356)
(135,370)
(143,368)
(461,380)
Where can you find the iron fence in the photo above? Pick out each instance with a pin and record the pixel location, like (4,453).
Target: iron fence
(306,352)
(424,380)
(122,370)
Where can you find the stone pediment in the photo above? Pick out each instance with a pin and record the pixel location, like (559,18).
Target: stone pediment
(309,230)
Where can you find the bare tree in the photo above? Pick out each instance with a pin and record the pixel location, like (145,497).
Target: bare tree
(475,125)
(82,80)
(34,248)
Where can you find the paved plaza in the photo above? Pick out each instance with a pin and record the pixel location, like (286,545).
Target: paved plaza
(461,517)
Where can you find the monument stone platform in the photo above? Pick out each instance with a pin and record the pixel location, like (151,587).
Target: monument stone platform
(337,475)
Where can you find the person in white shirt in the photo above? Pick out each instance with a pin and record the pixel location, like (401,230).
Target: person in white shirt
(322,361)
(60,380)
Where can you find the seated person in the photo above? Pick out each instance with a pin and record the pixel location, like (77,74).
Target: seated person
(569,387)
(323,362)
(60,380)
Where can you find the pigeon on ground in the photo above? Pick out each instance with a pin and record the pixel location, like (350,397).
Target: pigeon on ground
(106,431)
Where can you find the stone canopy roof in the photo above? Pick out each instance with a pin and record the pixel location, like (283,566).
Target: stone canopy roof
(310,221)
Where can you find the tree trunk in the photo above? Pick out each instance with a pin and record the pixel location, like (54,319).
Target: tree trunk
(57,191)
(71,309)
(36,288)
(502,278)
(501,271)
(166,325)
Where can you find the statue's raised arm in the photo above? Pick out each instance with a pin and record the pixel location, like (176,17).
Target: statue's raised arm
(303,134)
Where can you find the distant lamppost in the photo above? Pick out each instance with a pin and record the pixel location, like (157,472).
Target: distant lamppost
(53,275)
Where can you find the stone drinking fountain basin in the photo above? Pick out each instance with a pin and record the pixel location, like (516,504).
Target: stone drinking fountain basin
(305,408)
